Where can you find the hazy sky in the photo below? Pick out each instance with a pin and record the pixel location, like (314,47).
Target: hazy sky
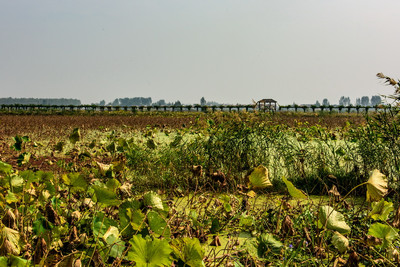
(229,51)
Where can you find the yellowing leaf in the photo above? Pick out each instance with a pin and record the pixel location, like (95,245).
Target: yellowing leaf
(251,194)
(259,178)
(333,220)
(340,242)
(376,186)
(293,191)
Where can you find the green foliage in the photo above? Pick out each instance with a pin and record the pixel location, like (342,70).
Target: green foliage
(293,191)
(188,251)
(75,136)
(153,200)
(384,232)
(381,210)
(105,196)
(340,242)
(149,253)
(267,243)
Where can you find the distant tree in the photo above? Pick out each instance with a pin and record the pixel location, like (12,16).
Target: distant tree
(115,102)
(102,103)
(178,103)
(358,102)
(325,102)
(317,103)
(203,101)
(344,101)
(365,101)
(376,100)
(160,102)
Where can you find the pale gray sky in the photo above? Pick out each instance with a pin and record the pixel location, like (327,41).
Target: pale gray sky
(229,51)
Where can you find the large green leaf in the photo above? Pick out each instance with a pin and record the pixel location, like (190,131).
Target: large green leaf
(105,196)
(149,253)
(340,242)
(5,168)
(101,224)
(131,217)
(267,243)
(158,224)
(381,210)
(76,180)
(19,262)
(377,186)
(383,231)
(111,237)
(259,178)
(189,251)
(3,261)
(153,200)
(293,191)
(333,220)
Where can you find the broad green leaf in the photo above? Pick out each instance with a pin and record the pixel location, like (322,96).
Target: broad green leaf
(259,178)
(149,253)
(266,243)
(75,136)
(377,186)
(76,180)
(3,261)
(17,146)
(101,224)
(105,196)
(19,262)
(113,184)
(189,251)
(381,210)
(333,220)
(12,237)
(11,197)
(340,242)
(41,226)
(158,224)
(131,217)
(246,220)
(111,237)
(153,199)
(293,191)
(151,144)
(383,231)
(5,168)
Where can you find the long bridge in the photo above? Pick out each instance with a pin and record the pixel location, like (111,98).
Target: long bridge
(194,108)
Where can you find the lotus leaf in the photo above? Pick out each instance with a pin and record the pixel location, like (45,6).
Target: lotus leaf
(376,186)
(293,191)
(333,220)
(259,178)
(340,242)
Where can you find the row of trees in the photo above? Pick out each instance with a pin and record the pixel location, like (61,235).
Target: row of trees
(345,101)
(40,101)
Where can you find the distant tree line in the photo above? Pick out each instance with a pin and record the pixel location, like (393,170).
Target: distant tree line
(345,101)
(40,101)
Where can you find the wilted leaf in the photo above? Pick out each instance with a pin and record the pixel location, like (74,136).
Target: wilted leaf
(381,210)
(333,220)
(11,197)
(153,199)
(376,186)
(103,168)
(340,242)
(149,253)
(383,231)
(251,194)
(293,191)
(259,178)
(9,240)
